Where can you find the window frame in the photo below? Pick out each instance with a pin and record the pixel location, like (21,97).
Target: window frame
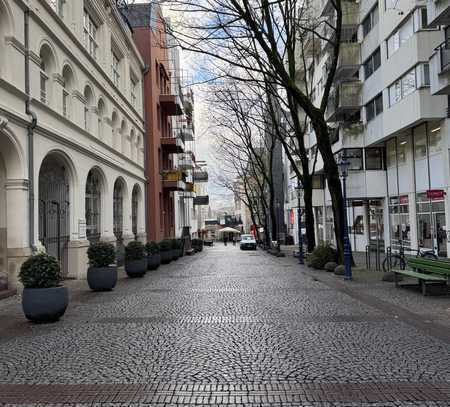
(90,29)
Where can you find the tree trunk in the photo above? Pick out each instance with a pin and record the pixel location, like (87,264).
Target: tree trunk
(334,183)
(309,214)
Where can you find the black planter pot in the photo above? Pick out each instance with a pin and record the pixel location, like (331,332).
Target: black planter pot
(175,254)
(180,253)
(136,268)
(166,257)
(153,262)
(102,278)
(45,304)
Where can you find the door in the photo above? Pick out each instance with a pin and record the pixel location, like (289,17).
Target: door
(54,210)
(441,234)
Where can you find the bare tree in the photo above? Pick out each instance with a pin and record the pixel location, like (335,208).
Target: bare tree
(262,40)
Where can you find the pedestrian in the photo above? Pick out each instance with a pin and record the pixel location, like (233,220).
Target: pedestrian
(225,239)
(234,240)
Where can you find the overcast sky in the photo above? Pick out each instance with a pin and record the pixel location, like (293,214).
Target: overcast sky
(190,64)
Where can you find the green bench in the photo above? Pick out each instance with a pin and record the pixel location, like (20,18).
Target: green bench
(428,272)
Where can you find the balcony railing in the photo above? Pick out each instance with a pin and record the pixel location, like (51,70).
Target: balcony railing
(349,60)
(344,101)
(174,143)
(186,161)
(173,179)
(201,200)
(444,55)
(200,176)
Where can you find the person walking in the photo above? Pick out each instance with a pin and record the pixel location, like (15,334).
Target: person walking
(225,239)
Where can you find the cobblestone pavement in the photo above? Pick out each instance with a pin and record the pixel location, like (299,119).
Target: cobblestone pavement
(226,327)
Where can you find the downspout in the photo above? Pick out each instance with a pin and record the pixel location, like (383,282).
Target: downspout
(30,130)
(145,140)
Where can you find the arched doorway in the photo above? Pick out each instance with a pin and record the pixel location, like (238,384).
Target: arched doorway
(54,208)
(118,194)
(93,205)
(135,198)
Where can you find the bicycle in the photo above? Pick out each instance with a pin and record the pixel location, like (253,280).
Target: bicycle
(398,260)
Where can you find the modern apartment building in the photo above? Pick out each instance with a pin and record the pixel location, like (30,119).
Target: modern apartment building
(71,131)
(389,110)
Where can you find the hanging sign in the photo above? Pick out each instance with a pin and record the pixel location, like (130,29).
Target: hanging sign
(435,194)
(291,217)
(404,199)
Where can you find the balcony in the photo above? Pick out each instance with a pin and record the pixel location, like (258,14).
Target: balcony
(344,101)
(201,200)
(350,16)
(440,70)
(200,176)
(173,180)
(186,161)
(173,144)
(349,60)
(188,132)
(171,103)
(438,12)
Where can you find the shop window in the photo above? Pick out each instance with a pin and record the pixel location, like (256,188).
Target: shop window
(399,221)
(391,152)
(374,159)
(420,142)
(402,149)
(358,225)
(434,140)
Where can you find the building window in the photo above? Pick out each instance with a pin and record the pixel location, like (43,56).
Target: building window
(90,34)
(44,79)
(115,68)
(372,63)
(402,149)
(414,79)
(374,158)
(58,6)
(354,157)
(370,21)
(400,225)
(65,97)
(133,86)
(374,107)
(93,205)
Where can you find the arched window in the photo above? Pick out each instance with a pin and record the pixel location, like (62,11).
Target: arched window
(133,146)
(89,98)
(118,209)
(123,137)
(68,80)
(100,113)
(115,130)
(135,209)
(93,205)
(46,68)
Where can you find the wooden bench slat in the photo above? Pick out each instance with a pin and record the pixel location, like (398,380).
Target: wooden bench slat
(421,276)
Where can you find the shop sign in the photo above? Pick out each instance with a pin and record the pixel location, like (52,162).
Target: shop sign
(435,194)
(291,217)
(404,200)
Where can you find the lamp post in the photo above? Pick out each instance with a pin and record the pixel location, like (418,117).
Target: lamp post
(299,222)
(343,167)
(277,218)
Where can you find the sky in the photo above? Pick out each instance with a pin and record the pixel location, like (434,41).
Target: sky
(204,146)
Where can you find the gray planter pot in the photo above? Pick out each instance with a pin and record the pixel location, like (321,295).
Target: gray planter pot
(45,304)
(136,268)
(102,278)
(166,257)
(153,262)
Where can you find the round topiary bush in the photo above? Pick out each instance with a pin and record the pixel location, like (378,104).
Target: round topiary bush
(165,245)
(322,255)
(340,270)
(134,251)
(152,248)
(101,254)
(330,266)
(40,271)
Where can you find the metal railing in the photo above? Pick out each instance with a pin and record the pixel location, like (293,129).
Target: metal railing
(444,53)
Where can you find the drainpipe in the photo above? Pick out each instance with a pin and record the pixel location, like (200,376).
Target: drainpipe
(30,130)
(145,142)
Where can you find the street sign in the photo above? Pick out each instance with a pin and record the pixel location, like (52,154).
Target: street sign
(435,194)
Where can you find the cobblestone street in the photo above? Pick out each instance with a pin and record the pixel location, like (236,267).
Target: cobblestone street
(226,327)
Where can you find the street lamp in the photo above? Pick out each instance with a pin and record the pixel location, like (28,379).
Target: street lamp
(299,188)
(344,164)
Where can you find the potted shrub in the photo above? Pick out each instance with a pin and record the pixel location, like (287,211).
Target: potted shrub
(135,259)
(321,255)
(102,273)
(43,298)
(153,256)
(165,251)
(179,247)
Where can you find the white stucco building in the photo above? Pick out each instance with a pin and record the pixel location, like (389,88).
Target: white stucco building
(71,131)
(389,108)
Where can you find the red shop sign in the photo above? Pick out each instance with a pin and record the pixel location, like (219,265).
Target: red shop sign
(435,194)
